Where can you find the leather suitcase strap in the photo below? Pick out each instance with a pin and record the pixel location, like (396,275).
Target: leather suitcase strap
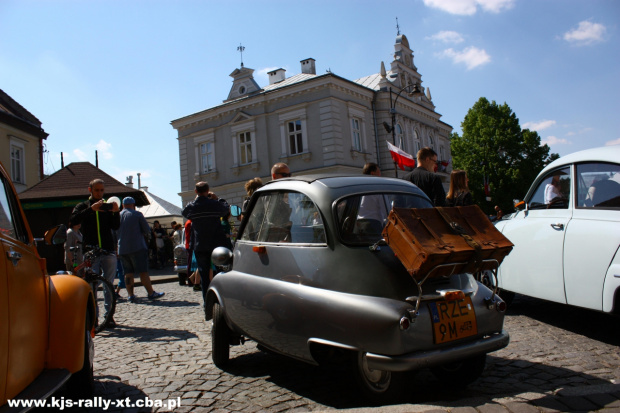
(457,229)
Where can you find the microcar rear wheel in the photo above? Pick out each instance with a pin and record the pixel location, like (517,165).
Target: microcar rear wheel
(378,386)
(220,337)
(461,373)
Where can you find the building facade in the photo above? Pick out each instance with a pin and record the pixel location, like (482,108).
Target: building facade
(21,143)
(314,123)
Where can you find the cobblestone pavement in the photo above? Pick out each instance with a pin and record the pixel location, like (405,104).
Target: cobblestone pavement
(559,359)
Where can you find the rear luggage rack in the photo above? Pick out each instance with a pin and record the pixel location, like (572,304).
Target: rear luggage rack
(490,264)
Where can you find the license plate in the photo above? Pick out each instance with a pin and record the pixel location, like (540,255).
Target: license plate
(453,320)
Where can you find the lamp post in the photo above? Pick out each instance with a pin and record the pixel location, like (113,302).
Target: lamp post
(412,90)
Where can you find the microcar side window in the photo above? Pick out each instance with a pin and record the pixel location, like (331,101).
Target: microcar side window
(553,192)
(288,217)
(598,185)
(361,218)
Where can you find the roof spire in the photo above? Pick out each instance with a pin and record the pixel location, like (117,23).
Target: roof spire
(397,28)
(241,48)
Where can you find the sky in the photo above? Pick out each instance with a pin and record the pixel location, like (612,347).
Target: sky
(110,75)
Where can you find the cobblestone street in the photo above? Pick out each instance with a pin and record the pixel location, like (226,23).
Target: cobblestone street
(559,359)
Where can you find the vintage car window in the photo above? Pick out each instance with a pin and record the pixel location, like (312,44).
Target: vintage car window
(598,185)
(288,217)
(10,224)
(553,192)
(361,218)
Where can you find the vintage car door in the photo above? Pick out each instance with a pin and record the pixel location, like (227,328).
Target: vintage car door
(24,312)
(535,265)
(593,236)
(278,257)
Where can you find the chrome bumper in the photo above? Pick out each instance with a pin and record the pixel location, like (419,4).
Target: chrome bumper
(424,359)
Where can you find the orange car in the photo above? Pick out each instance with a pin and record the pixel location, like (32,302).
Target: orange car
(46,322)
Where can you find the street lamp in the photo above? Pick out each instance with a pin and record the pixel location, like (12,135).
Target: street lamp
(412,90)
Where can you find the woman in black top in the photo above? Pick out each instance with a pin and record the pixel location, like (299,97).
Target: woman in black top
(458,194)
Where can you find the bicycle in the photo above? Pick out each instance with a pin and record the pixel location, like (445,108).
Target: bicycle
(97,283)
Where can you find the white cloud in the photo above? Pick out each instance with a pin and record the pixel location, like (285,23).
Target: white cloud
(614,142)
(472,57)
(103,149)
(540,125)
(586,33)
(470,7)
(447,36)
(80,155)
(554,140)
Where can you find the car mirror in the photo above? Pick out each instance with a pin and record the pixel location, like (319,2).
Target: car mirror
(520,205)
(235,211)
(221,256)
(56,235)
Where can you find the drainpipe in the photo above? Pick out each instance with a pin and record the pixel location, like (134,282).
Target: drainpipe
(374,121)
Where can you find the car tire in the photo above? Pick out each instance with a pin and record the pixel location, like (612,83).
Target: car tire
(378,386)
(460,373)
(220,337)
(81,385)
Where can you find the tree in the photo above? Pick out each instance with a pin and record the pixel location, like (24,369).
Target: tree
(494,150)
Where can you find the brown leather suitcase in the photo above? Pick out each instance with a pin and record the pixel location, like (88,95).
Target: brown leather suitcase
(457,239)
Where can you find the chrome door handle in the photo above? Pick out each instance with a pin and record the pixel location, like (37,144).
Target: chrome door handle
(557,226)
(14,256)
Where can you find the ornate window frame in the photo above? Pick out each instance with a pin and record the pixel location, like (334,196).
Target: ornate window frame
(283,119)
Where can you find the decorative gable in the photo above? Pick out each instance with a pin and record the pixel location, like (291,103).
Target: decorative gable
(243,84)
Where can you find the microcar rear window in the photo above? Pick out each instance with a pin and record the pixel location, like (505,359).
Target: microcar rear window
(361,218)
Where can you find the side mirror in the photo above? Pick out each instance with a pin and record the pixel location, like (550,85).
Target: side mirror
(520,205)
(56,235)
(235,211)
(221,256)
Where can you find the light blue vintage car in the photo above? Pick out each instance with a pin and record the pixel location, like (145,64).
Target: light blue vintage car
(311,278)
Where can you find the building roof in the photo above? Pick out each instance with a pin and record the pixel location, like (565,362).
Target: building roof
(71,182)
(14,114)
(159,208)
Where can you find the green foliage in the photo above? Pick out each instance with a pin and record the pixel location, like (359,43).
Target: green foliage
(494,145)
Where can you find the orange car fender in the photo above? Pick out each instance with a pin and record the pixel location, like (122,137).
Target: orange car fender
(71,301)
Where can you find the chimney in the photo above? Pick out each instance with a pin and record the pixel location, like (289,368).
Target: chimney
(276,76)
(129,181)
(307,66)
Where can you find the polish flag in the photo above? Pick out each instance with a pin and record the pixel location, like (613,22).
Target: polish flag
(401,157)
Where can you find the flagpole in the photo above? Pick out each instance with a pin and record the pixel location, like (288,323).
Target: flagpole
(414,90)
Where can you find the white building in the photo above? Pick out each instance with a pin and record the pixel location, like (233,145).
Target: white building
(314,123)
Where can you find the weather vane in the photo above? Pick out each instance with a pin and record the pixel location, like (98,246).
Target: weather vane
(241,49)
(397,28)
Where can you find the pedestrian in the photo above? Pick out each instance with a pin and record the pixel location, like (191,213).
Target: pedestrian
(173,228)
(177,234)
(74,240)
(98,220)
(160,234)
(458,194)
(227,231)
(280,170)
(250,187)
(371,212)
(120,274)
(133,250)
(205,212)
(371,168)
(425,178)
(187,278)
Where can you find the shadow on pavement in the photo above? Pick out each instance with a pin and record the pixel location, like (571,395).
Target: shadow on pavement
(150,334)
(336,387)
(593,324)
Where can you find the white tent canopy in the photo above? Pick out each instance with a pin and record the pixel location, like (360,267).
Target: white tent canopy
(160,210)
